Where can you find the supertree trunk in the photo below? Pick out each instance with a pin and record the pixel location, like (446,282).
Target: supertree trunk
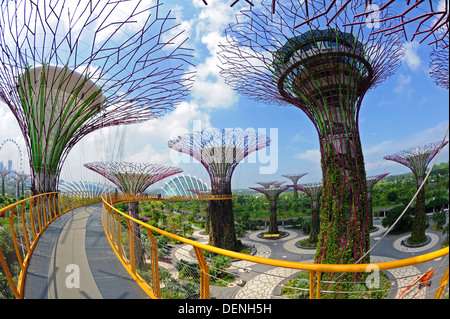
(419,225)
(273,222)
(222,229)
(133,211)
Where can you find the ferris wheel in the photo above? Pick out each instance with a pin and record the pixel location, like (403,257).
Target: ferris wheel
(10,140)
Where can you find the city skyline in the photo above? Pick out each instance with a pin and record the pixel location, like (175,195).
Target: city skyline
(407,110)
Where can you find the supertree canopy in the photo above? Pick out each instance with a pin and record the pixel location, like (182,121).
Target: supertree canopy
(314,192)
(294,179)
(272,192)
(422,19)
(220,151)
(69,68)
(133,179)
(371,182)
(325,70)
(417,160)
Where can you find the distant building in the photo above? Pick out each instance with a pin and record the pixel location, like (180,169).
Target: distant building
(181,185)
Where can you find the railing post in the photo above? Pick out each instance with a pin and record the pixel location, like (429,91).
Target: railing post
(204,274)
(132,252)
(155,267)
(442,284)
(311,284)
(319,276)
(14,238)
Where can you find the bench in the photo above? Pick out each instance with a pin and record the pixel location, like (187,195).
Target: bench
(271,235)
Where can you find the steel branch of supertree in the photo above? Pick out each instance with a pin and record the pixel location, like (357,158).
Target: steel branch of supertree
(132,178)
(68,68)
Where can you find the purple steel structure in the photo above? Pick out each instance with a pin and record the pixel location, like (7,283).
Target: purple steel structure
(294,178)
(371,182)
(439,64)
(314,192)
(417,160)
(415,18)
(272,192)
(220,151)
(133,179)
(324,70)
(68,68)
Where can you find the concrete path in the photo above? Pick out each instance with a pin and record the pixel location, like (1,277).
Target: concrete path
(74,260)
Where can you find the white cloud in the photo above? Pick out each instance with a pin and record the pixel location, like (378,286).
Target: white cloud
(411,57)
(403,82)
(309,155)
(373,155)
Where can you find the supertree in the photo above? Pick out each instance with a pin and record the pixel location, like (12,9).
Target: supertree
(325,70)
(69,68)
(417,160)
(220,151)
(272,192)
(133,179)
(294,178)
(314,192)
(3,175)
(20,180)
(371,182)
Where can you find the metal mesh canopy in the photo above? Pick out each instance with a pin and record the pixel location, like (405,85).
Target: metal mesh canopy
(220,151)
(68,68)
(417,158)
(272,192)
(132,178)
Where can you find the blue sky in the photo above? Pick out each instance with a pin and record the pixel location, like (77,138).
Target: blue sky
(406,110)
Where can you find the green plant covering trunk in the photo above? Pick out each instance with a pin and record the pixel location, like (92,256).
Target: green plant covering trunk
(344,234)
(315,222)
(222,232)
(419,225)
(273,223)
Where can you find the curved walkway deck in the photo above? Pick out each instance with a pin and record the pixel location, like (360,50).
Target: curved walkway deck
(73,259)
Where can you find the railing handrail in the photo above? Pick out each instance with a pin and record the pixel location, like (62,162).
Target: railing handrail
(74,201)
(284,263)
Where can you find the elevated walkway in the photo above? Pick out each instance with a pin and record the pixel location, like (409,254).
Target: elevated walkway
(73,259)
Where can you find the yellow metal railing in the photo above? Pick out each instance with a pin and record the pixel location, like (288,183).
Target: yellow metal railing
(116,224)
(159,275)
(28,219)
